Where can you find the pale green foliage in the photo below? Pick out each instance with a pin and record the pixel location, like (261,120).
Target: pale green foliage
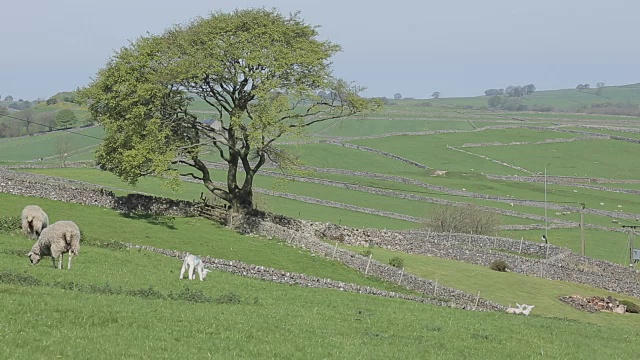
(258,70)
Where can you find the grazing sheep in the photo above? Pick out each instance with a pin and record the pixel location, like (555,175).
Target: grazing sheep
(34,220)
(59,238)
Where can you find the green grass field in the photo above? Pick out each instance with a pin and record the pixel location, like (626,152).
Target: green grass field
(128,303)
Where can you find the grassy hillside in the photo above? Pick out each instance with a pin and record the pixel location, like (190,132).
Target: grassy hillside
(562,100)
(128,303)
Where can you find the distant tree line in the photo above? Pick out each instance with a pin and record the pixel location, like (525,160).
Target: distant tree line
(512,91)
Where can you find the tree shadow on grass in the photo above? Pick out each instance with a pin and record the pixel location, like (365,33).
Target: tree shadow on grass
(153,219)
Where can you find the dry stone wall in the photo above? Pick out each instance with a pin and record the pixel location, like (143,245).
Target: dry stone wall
(291,278)
(480,250)
(48,187)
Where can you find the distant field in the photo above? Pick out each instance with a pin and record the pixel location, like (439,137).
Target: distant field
(43,146)
(571,159)
(466,171)
(259,319)
(565,99)
(491,284)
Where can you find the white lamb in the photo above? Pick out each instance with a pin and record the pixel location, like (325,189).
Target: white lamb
(521,309)
(59,238)
(193,263)
(34,220)
(517,310)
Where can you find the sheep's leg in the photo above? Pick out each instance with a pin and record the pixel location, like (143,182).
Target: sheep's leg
(60,262)
(184,268)
(69,263)
(53,260)
(191,274)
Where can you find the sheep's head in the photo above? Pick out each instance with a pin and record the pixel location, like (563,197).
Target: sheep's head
(204,273)
(34,258)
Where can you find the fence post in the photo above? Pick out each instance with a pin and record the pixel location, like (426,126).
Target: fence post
(435,288)
(401,274)
(368,263)
(521,240)
(477,298)
(334,251)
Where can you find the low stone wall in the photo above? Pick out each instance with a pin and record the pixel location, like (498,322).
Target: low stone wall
(376,151)
(53,188)
(479,250)
(556,264)
(285,277)
(292,231)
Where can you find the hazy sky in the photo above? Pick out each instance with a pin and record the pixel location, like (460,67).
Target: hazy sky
(459,48)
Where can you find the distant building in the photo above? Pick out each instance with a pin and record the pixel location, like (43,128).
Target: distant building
(215,124)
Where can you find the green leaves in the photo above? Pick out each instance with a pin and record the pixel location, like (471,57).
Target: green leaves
(258,70)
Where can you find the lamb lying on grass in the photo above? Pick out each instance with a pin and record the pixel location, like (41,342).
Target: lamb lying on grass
(516,310)
(520,309)
(193,263)
(59,238)
(34,220)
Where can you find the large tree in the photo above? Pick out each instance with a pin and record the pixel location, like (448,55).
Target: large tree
(258,70)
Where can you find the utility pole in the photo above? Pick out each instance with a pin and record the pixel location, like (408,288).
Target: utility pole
(546,227)
(631,234)
(582,226)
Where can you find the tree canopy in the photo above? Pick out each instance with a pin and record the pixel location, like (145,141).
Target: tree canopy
(65,118)
(259,71)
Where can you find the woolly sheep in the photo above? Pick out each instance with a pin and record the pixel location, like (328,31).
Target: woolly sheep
(516,310)
(59,238)
(34,220)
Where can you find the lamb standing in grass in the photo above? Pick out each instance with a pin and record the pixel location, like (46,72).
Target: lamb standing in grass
(193,262)
(34,220)
(59,238)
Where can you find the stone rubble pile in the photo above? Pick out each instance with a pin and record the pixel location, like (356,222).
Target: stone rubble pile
(595,303)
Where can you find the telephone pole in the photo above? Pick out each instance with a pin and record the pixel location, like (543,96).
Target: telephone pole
(631,234)
(582,226)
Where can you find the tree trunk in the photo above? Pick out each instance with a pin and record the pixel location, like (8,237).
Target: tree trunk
(242,200)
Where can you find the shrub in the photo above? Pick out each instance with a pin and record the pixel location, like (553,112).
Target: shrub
(463,219)
(10,223)
(366,252)
(396,262)
(499,265)
(631,306)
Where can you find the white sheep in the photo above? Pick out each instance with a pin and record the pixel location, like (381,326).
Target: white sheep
(528,309)
(58,238)
(517,310)
(521,309)
(34,220)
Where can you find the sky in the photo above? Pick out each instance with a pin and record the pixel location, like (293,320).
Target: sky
(456,47)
